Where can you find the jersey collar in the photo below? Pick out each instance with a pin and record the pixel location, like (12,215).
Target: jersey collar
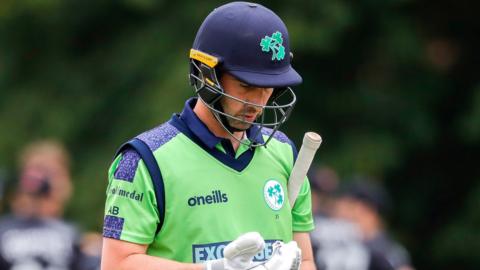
(202,132)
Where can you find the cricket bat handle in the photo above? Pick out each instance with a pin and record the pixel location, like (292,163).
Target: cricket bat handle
(311,142)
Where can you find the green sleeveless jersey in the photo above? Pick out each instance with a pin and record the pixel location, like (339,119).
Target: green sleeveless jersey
(212,195)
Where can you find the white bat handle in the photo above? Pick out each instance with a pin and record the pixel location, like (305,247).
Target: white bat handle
(311,142)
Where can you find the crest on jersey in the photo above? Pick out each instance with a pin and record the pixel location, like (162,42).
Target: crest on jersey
(273,194)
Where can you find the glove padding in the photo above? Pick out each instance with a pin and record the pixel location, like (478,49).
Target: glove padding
(238,255)
(284,257)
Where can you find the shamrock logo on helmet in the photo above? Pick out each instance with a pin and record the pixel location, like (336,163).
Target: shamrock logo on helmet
(274,44)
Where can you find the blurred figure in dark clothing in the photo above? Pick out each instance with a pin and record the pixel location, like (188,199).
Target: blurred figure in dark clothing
(337,243)
(3,183)
(364,203)
(324,183)
(34,237)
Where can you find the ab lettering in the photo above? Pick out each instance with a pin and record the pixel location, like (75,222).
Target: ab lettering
(113,210)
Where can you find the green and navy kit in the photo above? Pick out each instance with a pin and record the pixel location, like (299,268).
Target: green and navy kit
(212,193)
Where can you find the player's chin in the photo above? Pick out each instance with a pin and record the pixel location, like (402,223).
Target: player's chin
(240,126)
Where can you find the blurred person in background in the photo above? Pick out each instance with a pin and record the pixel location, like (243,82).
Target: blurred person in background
(34,236)
(365,203)
(337,243)
(324,182)
(3,184)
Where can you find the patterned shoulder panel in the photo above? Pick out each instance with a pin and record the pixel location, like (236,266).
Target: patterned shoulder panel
(279,136)
(154,138)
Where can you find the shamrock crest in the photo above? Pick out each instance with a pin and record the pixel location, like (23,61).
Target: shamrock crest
(274,44)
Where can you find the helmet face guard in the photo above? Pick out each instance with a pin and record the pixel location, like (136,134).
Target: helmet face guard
(204,78)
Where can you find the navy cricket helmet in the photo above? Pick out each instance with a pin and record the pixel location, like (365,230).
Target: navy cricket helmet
(250,42)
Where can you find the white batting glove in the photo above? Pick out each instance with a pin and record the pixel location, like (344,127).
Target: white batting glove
(284,257)
(238,255)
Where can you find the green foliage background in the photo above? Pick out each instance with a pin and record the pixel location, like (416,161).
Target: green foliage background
(392,86)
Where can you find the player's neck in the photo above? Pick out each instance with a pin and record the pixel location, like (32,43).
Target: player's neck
(206,116)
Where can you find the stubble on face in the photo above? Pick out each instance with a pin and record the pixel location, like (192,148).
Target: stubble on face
(248,114)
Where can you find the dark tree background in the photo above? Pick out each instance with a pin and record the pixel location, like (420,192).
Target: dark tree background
(392,86)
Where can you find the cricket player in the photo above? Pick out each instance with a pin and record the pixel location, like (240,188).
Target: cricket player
(208,188)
